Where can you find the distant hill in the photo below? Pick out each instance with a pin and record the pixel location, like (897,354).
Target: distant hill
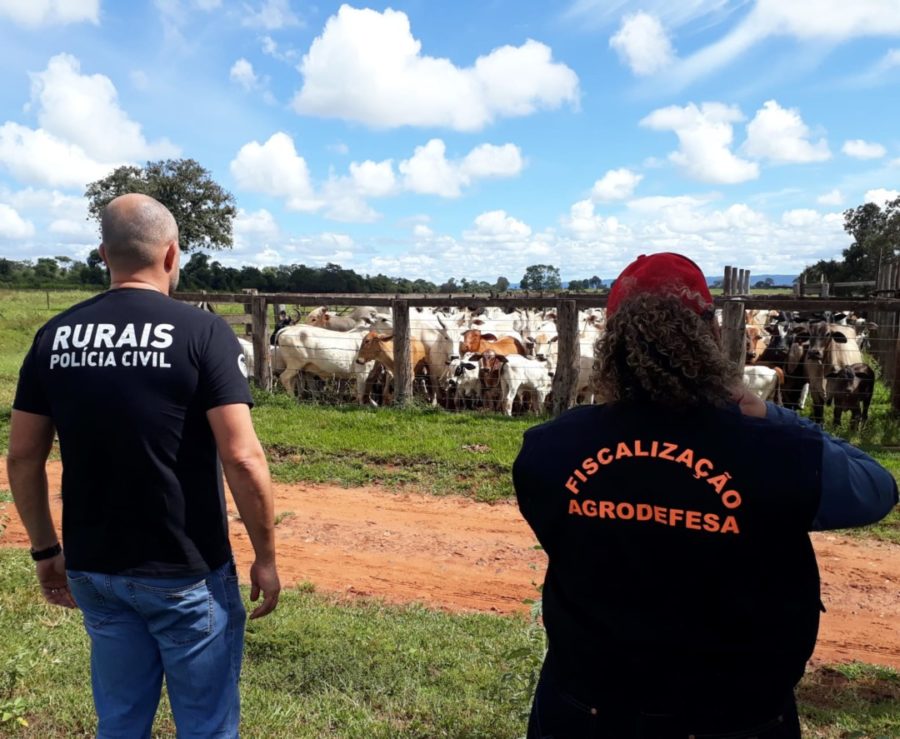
(778,280)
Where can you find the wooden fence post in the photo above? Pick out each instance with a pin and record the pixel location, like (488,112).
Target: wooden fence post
(745,290)
(403,370)
(727,281)
(565,376)
(734,332)
(262,360)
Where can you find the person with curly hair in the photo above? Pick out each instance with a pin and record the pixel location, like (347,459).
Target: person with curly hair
(681,597)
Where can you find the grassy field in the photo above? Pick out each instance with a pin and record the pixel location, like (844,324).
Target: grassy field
(322,667)
(326,667)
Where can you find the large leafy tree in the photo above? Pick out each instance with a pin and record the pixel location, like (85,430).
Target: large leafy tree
(203,210)
(541,277)
(876,237)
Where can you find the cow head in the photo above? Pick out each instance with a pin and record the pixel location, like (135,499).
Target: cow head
(372,346)
(491,364)
(470,342)
(821,335)
(756,342)
(543,345)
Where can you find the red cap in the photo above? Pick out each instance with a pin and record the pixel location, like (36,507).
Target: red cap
(666,273)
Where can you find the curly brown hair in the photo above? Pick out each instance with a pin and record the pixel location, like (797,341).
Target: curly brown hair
(655,349)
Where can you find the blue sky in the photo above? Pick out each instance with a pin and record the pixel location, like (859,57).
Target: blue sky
(469,139)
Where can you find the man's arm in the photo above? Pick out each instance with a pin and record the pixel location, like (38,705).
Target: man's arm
(856,490)
(30,441)
(247,472)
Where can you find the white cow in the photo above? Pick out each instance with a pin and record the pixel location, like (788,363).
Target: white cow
(323,353)
(519,373)
(462,382)
(249,357)
(367,315)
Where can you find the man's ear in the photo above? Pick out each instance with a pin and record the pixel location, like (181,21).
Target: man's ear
(102,251)
(170,261)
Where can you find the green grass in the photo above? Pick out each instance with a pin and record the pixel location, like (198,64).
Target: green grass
(317,667)
(323,667)
(437,452)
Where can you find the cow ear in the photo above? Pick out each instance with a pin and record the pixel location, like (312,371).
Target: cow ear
(489,337)
(839,337)
(502,358)
(386,337)
(475,357)
(469,366)
(555,338)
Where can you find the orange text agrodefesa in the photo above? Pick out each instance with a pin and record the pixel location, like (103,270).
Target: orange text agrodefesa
(701,468)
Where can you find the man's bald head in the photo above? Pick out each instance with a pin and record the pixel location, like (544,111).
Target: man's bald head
(136,231)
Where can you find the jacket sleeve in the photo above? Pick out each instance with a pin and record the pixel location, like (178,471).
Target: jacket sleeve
(856,490)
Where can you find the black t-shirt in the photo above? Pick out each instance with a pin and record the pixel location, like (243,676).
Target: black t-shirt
(681,576)
(127,378)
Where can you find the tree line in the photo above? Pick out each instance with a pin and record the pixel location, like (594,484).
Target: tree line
(202,273)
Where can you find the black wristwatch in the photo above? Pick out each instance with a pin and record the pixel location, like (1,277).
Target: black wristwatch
(38,555)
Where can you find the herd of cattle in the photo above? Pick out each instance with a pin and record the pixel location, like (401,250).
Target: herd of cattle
(504,359)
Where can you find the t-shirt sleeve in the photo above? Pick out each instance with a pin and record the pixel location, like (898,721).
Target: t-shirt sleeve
(223,368)
(30,395)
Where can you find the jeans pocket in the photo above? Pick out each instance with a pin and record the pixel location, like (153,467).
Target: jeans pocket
(94,607)
(183,614)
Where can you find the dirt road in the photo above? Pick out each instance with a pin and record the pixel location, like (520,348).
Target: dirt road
(461,555)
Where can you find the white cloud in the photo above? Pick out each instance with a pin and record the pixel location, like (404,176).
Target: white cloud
(881,195)
(12,225)
(274,168)
(603,12)
(272,15)
(859,149)
(339,148)
(84,110)
(705,135)
(387,81)
(584,223)
(834,197)
(779,135)
(800,217)
(488,160)
(83,134)
(421,231)
(41,158)
(257,223)
(825,21)
(375,179)
(73,231)
(242,73)
(496,225)
(642,43)
(36,13)
(429,171)
(616,184)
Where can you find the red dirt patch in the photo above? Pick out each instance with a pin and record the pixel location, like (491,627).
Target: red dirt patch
(460,555)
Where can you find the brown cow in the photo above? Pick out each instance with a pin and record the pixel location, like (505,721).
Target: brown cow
(757,340)
(380,348)
(475,341)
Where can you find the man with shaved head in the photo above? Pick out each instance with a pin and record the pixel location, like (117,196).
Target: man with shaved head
(150,402)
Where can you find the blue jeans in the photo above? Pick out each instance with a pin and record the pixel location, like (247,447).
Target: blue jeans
(189,629)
